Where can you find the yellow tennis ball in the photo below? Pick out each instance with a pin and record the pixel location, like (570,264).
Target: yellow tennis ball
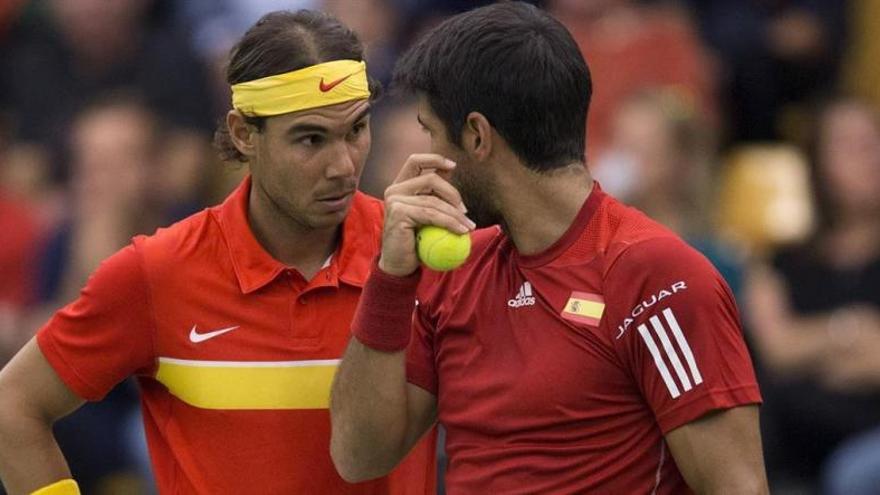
(441,249)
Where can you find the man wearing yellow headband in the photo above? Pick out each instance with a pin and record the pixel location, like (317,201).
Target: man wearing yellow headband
(234,319)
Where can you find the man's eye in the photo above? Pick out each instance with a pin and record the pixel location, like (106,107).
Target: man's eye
(311,140)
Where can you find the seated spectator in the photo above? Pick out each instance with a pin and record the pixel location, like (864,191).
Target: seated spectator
(629,47)
(116,156)
(129,175)
(114,150)
(814,309)
(660,160)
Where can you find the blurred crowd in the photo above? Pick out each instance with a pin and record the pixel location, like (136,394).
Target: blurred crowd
(750,127)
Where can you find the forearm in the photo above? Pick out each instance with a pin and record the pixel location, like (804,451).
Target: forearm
(29,455)
(720,453)
(32,398)
(368,407)
(368,413)
(799,345)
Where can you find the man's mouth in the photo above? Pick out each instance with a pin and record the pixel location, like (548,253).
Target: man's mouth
(336,201)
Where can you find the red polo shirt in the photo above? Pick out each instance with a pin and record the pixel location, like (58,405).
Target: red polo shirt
(561,372)
(234,352)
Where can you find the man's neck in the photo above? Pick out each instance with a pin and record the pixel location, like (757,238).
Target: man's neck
(539,208)
(291,243)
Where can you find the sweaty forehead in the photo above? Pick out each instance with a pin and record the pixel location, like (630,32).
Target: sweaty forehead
(331,117)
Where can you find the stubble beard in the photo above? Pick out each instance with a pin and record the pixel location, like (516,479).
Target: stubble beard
(477,196)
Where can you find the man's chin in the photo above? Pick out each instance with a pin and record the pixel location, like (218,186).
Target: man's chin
(326,220)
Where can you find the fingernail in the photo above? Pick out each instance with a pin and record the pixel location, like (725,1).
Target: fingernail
(471,224)
(450,162)
(462,207)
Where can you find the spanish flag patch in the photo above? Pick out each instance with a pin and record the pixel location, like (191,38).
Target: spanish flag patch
(584,307)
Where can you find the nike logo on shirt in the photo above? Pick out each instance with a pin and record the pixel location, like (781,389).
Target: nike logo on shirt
(196,337)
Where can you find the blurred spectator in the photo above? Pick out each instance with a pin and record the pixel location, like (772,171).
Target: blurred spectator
(117,152)
(631,46)
(19,237)
(815,310)
(376,23)
(775,53)
(396,135)
(115,156)
(660,160)
(215,26)
(56,60)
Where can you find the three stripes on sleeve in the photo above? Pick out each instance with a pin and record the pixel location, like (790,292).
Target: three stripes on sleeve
(685,377)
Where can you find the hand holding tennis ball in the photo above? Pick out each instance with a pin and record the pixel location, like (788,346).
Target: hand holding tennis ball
(440,249)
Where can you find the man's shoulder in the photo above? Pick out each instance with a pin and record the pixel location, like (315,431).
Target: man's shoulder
(632,238)
(657,265)
(654,252)
(179,241)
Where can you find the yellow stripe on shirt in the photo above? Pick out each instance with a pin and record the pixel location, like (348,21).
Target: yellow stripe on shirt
(249,384)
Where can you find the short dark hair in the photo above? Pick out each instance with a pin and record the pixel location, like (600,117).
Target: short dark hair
(285,41)
(516,65)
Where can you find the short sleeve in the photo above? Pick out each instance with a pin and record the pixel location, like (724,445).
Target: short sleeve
(420,368)
(106,334)
(674,323)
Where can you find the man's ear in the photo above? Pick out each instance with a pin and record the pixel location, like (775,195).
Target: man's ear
(242,134)
(477,136)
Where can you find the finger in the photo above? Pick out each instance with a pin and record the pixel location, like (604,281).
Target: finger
(415,211)
(438,204)
(428,184)
(419,163)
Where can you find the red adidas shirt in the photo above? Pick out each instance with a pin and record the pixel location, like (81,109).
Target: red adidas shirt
(234,353)
(561,372)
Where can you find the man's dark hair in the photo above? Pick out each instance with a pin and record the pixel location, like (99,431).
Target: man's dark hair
(516,65)
(285,41)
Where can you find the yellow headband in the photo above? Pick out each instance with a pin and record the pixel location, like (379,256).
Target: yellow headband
(316,86)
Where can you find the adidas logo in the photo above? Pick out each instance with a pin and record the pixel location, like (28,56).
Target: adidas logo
(523,298)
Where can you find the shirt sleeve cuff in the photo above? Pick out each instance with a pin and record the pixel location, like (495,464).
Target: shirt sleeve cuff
(64,370)
(701,405)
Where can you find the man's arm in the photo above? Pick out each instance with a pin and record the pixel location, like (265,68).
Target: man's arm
(32,398)
(720,453)
(376,415)
(690,361)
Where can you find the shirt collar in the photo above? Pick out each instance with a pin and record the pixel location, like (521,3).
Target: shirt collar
(255,268)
